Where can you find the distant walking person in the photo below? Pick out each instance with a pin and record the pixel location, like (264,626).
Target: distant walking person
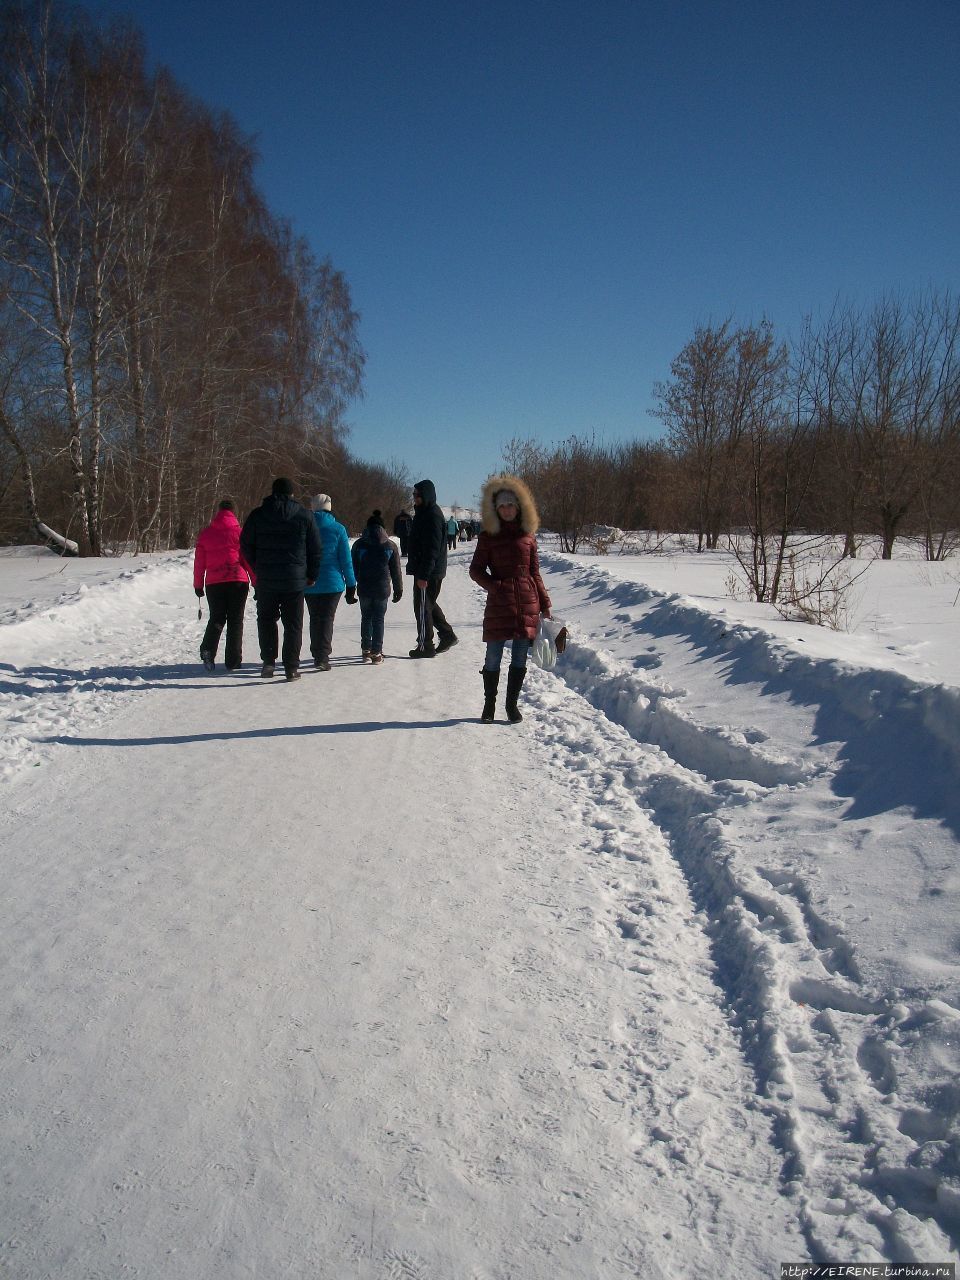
(220,567)
(427,563)
(376,561)
(282,545)
(336,573)
(401,530)
(453,532)
(507,566)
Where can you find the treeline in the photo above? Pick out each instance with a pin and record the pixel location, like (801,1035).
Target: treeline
(852,429)
(165,340)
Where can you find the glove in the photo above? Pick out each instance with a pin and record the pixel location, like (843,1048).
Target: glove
(396,596)
(199,592)
(351,595)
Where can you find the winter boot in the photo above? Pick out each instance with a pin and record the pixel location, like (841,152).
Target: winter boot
(515,678)
(491,681)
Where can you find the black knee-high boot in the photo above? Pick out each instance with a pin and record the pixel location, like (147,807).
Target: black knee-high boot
(515,678)
(491,681)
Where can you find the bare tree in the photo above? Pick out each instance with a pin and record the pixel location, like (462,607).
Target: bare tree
(763,464)
(703,406)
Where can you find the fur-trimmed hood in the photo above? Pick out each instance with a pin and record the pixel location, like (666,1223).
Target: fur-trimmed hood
(529,516)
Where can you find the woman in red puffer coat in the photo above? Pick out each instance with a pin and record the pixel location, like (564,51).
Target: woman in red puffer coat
(506,565)
(219,564)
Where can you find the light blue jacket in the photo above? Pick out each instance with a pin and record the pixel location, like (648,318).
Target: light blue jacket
(336,568)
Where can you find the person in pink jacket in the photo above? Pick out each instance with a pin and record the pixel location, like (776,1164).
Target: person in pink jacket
(220,567)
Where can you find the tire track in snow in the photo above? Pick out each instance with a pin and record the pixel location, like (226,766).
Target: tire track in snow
(672,1066)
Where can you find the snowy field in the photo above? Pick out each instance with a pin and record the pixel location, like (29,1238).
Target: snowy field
(328,980)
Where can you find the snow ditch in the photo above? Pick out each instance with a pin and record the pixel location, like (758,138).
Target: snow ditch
(650,713)
(819,1045)
(823,1049)
(878,711)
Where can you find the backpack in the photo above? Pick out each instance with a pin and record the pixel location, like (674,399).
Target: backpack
(373,564)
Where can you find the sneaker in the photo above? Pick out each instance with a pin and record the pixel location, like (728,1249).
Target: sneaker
(266,671)
(321,664)
(447,642)
(207,659)
(366,655)
(292,673)
(376,658)
(423,653)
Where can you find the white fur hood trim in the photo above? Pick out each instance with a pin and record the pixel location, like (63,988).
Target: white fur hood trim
(529,517)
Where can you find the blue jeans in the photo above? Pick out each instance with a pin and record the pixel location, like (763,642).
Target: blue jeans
(518,653)
(372,612)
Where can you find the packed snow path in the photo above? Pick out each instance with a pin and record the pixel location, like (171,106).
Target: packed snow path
(327,979)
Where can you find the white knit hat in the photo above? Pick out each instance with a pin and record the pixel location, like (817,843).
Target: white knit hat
(321,502)
(504,496)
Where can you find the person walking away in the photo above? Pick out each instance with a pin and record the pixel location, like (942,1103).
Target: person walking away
(221,571)
(427,563)
(376,563)
(401,530)
(282,545)
(506,565)
(335,576)
(453,529)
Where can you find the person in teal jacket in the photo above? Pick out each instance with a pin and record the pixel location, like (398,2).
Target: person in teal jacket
(336,573)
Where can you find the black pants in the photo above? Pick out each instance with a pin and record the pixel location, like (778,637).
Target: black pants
(226,601)
(322,606)
(288,607)
(429,614)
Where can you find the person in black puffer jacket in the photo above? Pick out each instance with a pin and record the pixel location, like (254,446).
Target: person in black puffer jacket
(282,545)
(427,563)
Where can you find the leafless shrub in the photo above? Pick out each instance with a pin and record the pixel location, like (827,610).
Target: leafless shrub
(819,591)
(642,542)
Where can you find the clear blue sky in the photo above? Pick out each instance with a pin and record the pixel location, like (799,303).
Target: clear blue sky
(536,201)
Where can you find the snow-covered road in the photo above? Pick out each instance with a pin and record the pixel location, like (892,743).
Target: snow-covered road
(327,979)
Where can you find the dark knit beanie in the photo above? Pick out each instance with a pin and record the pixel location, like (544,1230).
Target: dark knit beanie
(376,520)
(282,487)
(227,504)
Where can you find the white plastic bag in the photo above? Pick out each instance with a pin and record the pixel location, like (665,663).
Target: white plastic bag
(544,650)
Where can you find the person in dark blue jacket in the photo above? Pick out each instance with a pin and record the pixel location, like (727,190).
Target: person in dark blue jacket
(336,573)
(376,562)
(282,545)
(427,563)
